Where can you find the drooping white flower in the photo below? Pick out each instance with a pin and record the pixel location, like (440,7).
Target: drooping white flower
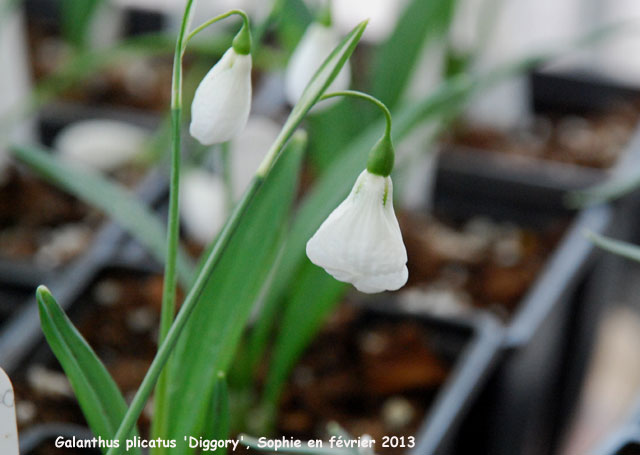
(100,144)
(315,46)
(360,242)
(222,102)
(202,204)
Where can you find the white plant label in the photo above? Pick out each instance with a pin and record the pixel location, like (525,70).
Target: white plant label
(8,426)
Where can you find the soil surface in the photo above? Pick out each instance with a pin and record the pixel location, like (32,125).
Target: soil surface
(456,267)
(593,141)
(375,376)
(42,225)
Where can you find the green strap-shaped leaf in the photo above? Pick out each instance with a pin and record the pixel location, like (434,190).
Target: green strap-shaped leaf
(314,295)
(218,422)
(113,199)
(212,334)
(422,22)
(98,395)
(76,18)
(291,22)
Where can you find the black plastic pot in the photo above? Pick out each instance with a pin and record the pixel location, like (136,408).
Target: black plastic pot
(520,404)
(476,339)
(469,345)
(530,395)
(625,441)
(551,93)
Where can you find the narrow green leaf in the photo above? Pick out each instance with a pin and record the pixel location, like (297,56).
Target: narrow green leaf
(422,22)
(293,19)
(97,393)
(313,296)
(624,249)
(228,297)
(240,220)
(219,415)
(113,199)
(76,17)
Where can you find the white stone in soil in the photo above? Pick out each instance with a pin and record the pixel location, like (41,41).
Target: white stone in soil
(397,412)
(26,411)
(48,382)
(64,243)
(100,144)
(436,298)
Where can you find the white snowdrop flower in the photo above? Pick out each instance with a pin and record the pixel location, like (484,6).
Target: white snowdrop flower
(222,101)
(100,144)
(202,204)
(315,46)
(360,242)
(248,149)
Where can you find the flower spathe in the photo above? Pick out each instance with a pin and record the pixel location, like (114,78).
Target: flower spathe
(222,101)
(360,242)
(316,44)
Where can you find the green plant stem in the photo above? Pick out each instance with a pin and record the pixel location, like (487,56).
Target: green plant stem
(213,20)
(170,282)
(382,155)
(367,97)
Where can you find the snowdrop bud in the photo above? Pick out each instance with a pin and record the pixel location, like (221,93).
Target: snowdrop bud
(222,101)
(315,46)
(100,144)
(360,242)
(202,205)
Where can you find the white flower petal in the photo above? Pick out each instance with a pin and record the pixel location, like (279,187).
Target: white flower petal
(360,242)
(222,102)
(315,46)
(202,205)
(100,144)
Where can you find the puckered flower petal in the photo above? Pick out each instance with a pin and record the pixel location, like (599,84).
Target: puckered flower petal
(222,102)
(360,242)
(315,46)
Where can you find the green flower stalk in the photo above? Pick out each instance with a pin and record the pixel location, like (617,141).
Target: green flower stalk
(210,106)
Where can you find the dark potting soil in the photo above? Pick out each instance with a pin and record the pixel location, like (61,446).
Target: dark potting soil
(44,225)
(41,223)
(374,376)
(595,141)
(456,267)
(118,317)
